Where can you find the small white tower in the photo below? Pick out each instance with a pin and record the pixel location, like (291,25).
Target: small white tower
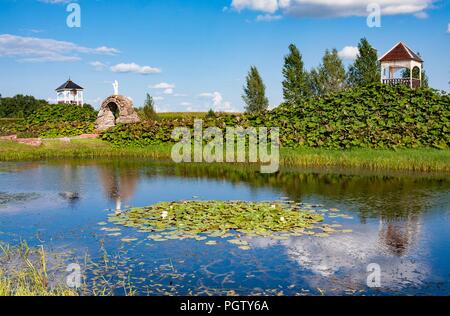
(70,93)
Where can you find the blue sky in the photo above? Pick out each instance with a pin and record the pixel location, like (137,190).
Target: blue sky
(192,55)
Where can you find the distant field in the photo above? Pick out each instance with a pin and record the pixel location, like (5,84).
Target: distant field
(179,115)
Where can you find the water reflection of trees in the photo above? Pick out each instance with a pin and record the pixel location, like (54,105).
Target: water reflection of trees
(386,197)
(389,198)
(398,235)
(397,201)
(119,181)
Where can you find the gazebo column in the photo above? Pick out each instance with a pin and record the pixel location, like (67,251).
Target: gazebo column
(420,76)
(411,68)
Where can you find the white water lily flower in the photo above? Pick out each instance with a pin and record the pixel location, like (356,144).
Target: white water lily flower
(274,206)
(282,219)
(164,214)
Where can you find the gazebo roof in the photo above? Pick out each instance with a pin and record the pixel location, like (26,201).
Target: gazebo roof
(69,85)
(401,52)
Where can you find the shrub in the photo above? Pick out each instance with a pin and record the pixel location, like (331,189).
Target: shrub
(375,116)
(59,113)
(49,130)
(20,106)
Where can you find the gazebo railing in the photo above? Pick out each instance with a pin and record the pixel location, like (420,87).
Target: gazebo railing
(403,81)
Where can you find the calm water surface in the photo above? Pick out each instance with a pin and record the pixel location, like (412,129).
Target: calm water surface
(401,222)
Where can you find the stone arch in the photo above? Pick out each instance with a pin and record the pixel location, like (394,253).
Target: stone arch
(116,109)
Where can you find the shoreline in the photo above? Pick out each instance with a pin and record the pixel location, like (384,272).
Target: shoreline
(424,160)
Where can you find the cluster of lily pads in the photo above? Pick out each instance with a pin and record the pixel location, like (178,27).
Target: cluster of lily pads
(212,223)
(222,219)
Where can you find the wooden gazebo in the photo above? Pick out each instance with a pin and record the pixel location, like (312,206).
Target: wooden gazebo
(397,58)
(70,93)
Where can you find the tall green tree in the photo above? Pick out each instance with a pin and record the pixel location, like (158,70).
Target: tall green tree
(255,92)
(296,87)
(366,69)
(330,76)
(149,108)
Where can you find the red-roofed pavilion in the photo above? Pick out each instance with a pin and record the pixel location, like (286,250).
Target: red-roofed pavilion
(397,58)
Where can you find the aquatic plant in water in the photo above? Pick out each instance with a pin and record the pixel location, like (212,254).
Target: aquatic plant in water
(189,219)
(6,198)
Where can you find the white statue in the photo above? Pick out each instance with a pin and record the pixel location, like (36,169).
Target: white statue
(116,87)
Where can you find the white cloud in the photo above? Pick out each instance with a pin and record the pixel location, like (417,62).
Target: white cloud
(421,15)
(349,53)
(56,1)
(268,18)
(158,98)
(134,68)
(269,6)
(166,87)
(107,50)
(342,254)
(216,102)
(327,8)
(33,49)
(448,28)
(36,31)
(163,85)
(98,65)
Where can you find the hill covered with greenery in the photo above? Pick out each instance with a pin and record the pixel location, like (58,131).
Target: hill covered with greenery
(373,116)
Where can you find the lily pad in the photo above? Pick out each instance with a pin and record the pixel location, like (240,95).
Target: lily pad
(190,219)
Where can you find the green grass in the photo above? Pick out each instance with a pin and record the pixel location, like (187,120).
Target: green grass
(423,160)
(29,277)
(83,149)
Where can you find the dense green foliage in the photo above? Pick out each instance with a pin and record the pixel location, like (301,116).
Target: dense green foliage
(150,132)
(366,69)
(61,113)
(20,106)
(53,120)
(255,92)
(62,129)
(375,116)
(296,87)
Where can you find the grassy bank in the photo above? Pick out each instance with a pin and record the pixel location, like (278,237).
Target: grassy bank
(78,149)
(23,272)
(423,160)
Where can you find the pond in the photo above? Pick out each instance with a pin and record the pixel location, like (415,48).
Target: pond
(400,222)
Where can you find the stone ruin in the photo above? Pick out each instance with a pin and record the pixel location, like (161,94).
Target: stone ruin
(116,109)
